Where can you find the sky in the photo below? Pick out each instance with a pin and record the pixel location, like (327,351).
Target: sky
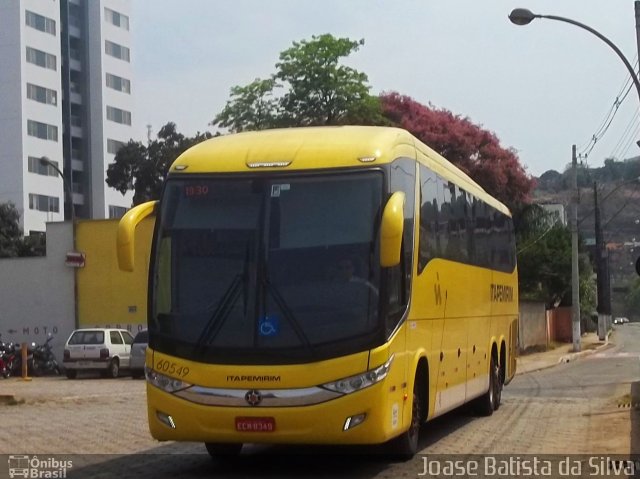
(540,88)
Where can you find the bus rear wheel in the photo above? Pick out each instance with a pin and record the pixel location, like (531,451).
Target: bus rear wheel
(222,450)
(490,401)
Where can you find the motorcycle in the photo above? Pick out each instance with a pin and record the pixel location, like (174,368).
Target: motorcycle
(8,359)
(42,360)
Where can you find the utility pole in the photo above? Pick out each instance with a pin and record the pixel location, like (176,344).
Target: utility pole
(600,273)
(575,273)
(636,6)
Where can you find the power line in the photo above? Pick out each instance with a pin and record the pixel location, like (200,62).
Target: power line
(587,148)
(545,233)
(607,120)
(630,142)
(627,137)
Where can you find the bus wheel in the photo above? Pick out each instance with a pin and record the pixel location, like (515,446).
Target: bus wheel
(497,396)
(490,401)
(219,451)
(405,446)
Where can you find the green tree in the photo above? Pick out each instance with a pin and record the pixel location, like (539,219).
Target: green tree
(317,89)
(252,107)
(12,241)
(544,261)
(587,291)
(10,232)
(632,300)
(143,168)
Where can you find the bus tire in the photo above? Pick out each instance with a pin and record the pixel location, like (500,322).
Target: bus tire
(405,446)
(222,450)
(490,401)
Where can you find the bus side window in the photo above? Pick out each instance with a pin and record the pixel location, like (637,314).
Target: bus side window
(429,217)
(402,178)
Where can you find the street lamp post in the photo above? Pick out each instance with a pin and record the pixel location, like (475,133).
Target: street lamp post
(523,16)
(69,192)
(44,161)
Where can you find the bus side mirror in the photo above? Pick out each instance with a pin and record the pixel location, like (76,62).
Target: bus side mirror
(638,266)
(391,230)
(126,238)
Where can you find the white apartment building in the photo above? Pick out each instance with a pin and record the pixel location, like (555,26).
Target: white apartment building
(66,94)
(557,211)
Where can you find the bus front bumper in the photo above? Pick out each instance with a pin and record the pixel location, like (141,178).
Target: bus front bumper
(331,422)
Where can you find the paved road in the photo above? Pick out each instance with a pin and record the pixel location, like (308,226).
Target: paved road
(580,407)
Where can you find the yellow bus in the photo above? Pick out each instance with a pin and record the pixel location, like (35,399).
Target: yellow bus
(324,285)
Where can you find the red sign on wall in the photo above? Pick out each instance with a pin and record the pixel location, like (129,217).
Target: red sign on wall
(75,259)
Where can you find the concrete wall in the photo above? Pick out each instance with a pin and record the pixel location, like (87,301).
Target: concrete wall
(36,294)
(106,295)
(533,325)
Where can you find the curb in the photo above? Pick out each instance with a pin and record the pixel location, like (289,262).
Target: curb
(567,358)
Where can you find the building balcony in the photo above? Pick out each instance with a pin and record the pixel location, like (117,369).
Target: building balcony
(78,199)
(77,131)
(75,64)
(76,97)
(74,30)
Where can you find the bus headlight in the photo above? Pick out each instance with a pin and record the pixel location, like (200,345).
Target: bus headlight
(360,381)
(163,382)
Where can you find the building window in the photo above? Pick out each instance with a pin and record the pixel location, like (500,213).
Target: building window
(114,145)
(41,23)
(118,115)
(116,212)
(36,167)
(42,94)
(44,203)
(75,15)
(40,58)
(115,50)
(42,130)
(118,83)
(117,19)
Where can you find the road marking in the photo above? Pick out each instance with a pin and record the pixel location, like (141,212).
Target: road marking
(614,355)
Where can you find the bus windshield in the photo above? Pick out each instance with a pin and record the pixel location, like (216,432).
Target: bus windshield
(249,269)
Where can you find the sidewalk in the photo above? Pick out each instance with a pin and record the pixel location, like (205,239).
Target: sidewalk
(562,354)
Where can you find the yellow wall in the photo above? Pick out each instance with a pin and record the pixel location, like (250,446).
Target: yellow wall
(106,295)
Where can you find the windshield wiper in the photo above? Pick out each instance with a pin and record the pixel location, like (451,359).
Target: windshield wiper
(288,314)
(221,313)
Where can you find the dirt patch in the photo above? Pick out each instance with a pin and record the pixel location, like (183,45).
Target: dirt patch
(10,400)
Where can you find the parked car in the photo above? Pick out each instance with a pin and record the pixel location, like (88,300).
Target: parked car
(107,350)
(138,350)
(620,320)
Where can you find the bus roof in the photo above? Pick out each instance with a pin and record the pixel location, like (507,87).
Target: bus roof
(322,147)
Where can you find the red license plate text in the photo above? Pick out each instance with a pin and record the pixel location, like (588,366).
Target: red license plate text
(255,424)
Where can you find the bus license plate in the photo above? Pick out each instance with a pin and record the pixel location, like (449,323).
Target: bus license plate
(255,424)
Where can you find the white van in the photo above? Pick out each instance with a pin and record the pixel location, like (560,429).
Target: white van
(107,350)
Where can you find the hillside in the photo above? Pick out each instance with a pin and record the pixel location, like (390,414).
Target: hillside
(618,195)
(618,186)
